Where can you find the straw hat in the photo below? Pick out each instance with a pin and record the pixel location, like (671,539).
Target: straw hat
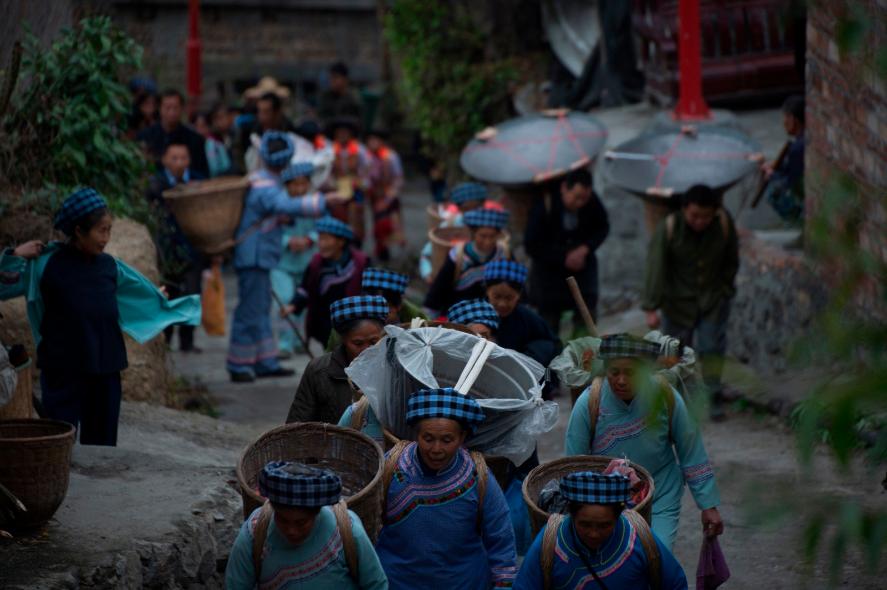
(267,84)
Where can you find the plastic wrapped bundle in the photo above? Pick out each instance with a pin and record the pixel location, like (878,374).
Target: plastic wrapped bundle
(507,386)
(579,363)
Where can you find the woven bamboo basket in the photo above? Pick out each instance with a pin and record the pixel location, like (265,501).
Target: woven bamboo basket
(209,211)
(35,463)
(434,218)
(352,455)
(443,239)
(21,404)
(539,477)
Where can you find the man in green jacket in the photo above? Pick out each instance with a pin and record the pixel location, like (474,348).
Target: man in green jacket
(691,270)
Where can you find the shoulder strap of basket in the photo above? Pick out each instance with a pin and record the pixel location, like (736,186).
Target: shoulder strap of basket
(668,394)
(549,540)
(389,468)
(483,473)
(260,535)
(460,261)
(594,407)
(669,227)
(645,535)
(358,414)
(343,521)
(725,222)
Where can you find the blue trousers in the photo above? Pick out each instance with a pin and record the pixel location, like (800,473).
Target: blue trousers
(89,402)
(708,337)
(252,348)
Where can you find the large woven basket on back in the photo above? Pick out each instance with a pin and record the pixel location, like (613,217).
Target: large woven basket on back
(209,211)
(352,455)
(35,463)
(539,477)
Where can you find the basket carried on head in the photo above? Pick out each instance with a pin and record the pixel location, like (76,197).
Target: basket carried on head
(352,455)
(539,477)
(208,211)
(35,463)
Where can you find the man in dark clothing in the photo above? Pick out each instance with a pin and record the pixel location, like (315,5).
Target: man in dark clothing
(563,232)
(785,180)
(339,100)
(269,116)
(180,264)
(170,129)
(691,270)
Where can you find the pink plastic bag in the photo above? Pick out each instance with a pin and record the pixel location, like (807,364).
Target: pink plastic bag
(712,570)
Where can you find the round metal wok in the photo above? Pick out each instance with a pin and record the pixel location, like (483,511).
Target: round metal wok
(534,148)
(668,163)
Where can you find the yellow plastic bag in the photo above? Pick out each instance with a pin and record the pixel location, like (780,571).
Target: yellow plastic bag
(212,300)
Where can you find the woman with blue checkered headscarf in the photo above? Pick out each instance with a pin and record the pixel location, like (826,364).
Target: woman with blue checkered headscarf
(324,391)
(252,351)
(520,328)
(635,414)
(300,538)
(445,520)
(598,543)
(462,274)
(80,302)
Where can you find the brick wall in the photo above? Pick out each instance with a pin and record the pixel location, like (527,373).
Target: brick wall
(293,42)
(847,120)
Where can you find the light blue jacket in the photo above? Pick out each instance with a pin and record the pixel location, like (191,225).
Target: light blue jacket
(144,311)
(266,201)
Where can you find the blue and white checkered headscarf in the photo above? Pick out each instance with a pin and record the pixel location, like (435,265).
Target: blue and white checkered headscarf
(387,280)
(588,487)
(445,402)
(279,158)
(296,170)
(360,307)
(468,191)
(332,226)
(474,311)
(505,270)
(78,205)
(486,218)
(624,345)
(302,486)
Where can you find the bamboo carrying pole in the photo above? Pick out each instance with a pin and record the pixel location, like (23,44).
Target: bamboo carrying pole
(580,304)
(293,325)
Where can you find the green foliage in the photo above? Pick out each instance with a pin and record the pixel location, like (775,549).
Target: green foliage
(67,124)
(451,87)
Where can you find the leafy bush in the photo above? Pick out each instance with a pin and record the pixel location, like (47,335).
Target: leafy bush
(451,87)
(67,123)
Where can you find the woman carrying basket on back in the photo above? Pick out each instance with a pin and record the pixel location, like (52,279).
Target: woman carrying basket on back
(598,544)
(445,520)
(633,414)
(252,352)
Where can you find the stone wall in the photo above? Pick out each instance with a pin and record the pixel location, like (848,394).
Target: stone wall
(847,120)
(778,296)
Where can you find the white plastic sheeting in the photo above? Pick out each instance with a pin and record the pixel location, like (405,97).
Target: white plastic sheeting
(508,386)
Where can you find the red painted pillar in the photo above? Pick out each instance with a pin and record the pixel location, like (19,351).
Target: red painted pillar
(691,105)
(193,55)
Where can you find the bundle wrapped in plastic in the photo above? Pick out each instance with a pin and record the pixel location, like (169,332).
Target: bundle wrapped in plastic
(506,384)
(579,363)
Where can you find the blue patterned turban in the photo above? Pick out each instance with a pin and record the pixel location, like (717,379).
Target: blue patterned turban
(387,280)
(78,205)
(360,307)
(445,402)
(332,226)
(297,170)
(468,191)
(302,486)
(624,345)
(474,311)
(281,157)
(588,487)
(505,270)
(486,218)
